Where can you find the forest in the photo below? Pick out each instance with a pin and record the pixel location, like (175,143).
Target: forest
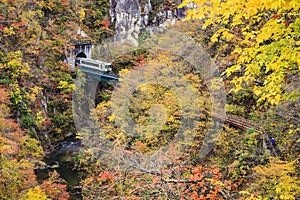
(206,105)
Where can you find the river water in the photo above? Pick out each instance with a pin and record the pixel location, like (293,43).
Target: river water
(64,158)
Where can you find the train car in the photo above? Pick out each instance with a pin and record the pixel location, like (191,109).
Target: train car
(93,64)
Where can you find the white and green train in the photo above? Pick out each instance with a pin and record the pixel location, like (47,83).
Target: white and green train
(93,64)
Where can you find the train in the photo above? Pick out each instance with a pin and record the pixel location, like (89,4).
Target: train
(93,64)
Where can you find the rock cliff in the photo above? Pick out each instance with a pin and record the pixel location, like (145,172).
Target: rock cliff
(132,16)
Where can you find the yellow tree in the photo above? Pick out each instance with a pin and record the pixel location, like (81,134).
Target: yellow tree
(265,35)
(276,180)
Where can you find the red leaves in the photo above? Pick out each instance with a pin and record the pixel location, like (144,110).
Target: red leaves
(47,122)
(206,183)
(286,23)
(105,23)
(276,16)
(194,195)
(55,187)
(140,146)
(19,24)
(65,3)
(173,179)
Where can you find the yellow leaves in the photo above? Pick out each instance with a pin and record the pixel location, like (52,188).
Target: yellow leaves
(223,34)
(66,86)
(195,11)
(276,179)
(40,119)
(271,30)
(293,4)
(270,93)
(252,70)
(251,10)
(16,94)
(111,118)
(81,15)
(195,14)
(15,65)
(34,93)
(58,130)
(237,20)
(263,36)
(35,194)
(215,38)
(276,99)
(257,91)
(273,181)
(123,72)
(8,31)
(207,23)
(275,5)
(227,35)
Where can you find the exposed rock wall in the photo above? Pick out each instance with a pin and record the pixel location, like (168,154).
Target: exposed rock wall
(131,16)
(126,14)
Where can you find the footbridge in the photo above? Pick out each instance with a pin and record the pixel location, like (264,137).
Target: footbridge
(246,124)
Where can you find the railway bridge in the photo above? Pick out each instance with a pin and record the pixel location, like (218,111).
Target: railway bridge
(80,56)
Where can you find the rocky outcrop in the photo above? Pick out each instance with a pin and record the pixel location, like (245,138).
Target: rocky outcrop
(126,14)
(131,16)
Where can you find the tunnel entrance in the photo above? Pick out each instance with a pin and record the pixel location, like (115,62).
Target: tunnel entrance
(81,55)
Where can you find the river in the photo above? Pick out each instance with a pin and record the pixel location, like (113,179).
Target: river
(63,158)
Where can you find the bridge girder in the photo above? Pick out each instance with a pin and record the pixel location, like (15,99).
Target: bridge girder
(99,75)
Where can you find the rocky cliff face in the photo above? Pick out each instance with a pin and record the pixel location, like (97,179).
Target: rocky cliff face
(132,16)
(126,14)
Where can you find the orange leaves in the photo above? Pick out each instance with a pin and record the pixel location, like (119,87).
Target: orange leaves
(105,23)
(20,24)
(194,195)
(141,147)
(3,95)
(205,183)
(197,174)
(106,176)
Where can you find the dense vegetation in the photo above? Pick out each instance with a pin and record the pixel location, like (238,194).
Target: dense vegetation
(255,45)
(37,86)
(34,38)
